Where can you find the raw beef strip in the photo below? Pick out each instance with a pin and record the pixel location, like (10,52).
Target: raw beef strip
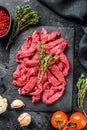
(29,86)
(64,60)
(57,73)
(32,71)
(54,95)
(20,70)
(29,63)
(53,80)
(37,94)
(36,37)
(35,98)
(27,43)
(37,91)
(58,49)
(29,52)
(48,37)
(52,44)
(20,76)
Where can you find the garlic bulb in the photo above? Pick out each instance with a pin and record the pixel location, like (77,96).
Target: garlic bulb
(3,104)
(17,104)
(24,119)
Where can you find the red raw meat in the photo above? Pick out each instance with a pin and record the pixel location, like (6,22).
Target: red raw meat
(53,80)
(65,62)
(48,37)
(29,52)
(36,37)
(52,44)
(29,86)
(35,98)
(26,76)
(48,99)
(58,49)
(27,43)
(57,73)
(29,63)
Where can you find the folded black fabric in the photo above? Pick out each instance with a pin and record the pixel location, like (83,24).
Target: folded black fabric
(77,11)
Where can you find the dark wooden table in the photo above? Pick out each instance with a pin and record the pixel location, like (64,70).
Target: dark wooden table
(40,120)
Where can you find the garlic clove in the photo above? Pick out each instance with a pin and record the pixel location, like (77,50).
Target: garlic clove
(5,100)
(3,109)
(17,104)
(24,119)
(3,104)
(1,97)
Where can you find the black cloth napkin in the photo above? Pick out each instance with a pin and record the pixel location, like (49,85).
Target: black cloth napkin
(75,10)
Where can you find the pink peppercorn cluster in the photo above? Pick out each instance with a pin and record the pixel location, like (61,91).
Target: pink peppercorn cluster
(4,22)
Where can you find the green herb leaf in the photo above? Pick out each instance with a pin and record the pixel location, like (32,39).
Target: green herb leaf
(43,61)
(82,89)
(24,16)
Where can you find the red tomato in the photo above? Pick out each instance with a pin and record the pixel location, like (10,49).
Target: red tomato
(59,116)
(79,119)
(69,129)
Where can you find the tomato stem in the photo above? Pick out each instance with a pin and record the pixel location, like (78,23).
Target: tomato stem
(69,125)
(66,126)
(85,113)
(59,123)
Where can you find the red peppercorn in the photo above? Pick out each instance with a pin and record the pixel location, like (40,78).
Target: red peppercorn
(4,22)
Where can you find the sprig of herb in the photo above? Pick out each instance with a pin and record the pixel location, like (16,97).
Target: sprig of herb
(82,89)
(24,16)
(43,61)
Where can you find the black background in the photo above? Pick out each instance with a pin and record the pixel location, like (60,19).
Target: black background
(40,120)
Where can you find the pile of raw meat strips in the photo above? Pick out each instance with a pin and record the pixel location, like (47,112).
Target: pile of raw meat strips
(42,67)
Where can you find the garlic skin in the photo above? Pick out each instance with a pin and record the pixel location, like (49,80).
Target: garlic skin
(24,119)
(3,104)
(17,104)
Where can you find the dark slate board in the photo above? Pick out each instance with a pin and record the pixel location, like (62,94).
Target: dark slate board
(65,102)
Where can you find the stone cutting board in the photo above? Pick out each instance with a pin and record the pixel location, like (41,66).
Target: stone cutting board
(65,102)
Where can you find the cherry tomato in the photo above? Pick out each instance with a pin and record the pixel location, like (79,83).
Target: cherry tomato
(69,129)
(79,119)
(60,117)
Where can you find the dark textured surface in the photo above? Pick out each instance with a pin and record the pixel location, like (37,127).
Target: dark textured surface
(62,103)
(48,18)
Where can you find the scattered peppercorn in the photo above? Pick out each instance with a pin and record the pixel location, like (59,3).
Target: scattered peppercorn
(4,22)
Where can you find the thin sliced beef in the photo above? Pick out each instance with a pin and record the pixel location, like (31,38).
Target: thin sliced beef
(26,76)
(37,91)
(29,52)
(20,71)
(32,71)
(27,43)
(29,86)
(36,37)
(52,44)
(29,63)
(65,62)
(36,98)
(53,80)
(46,37)
(57,73)
(50,96)
(58,49)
